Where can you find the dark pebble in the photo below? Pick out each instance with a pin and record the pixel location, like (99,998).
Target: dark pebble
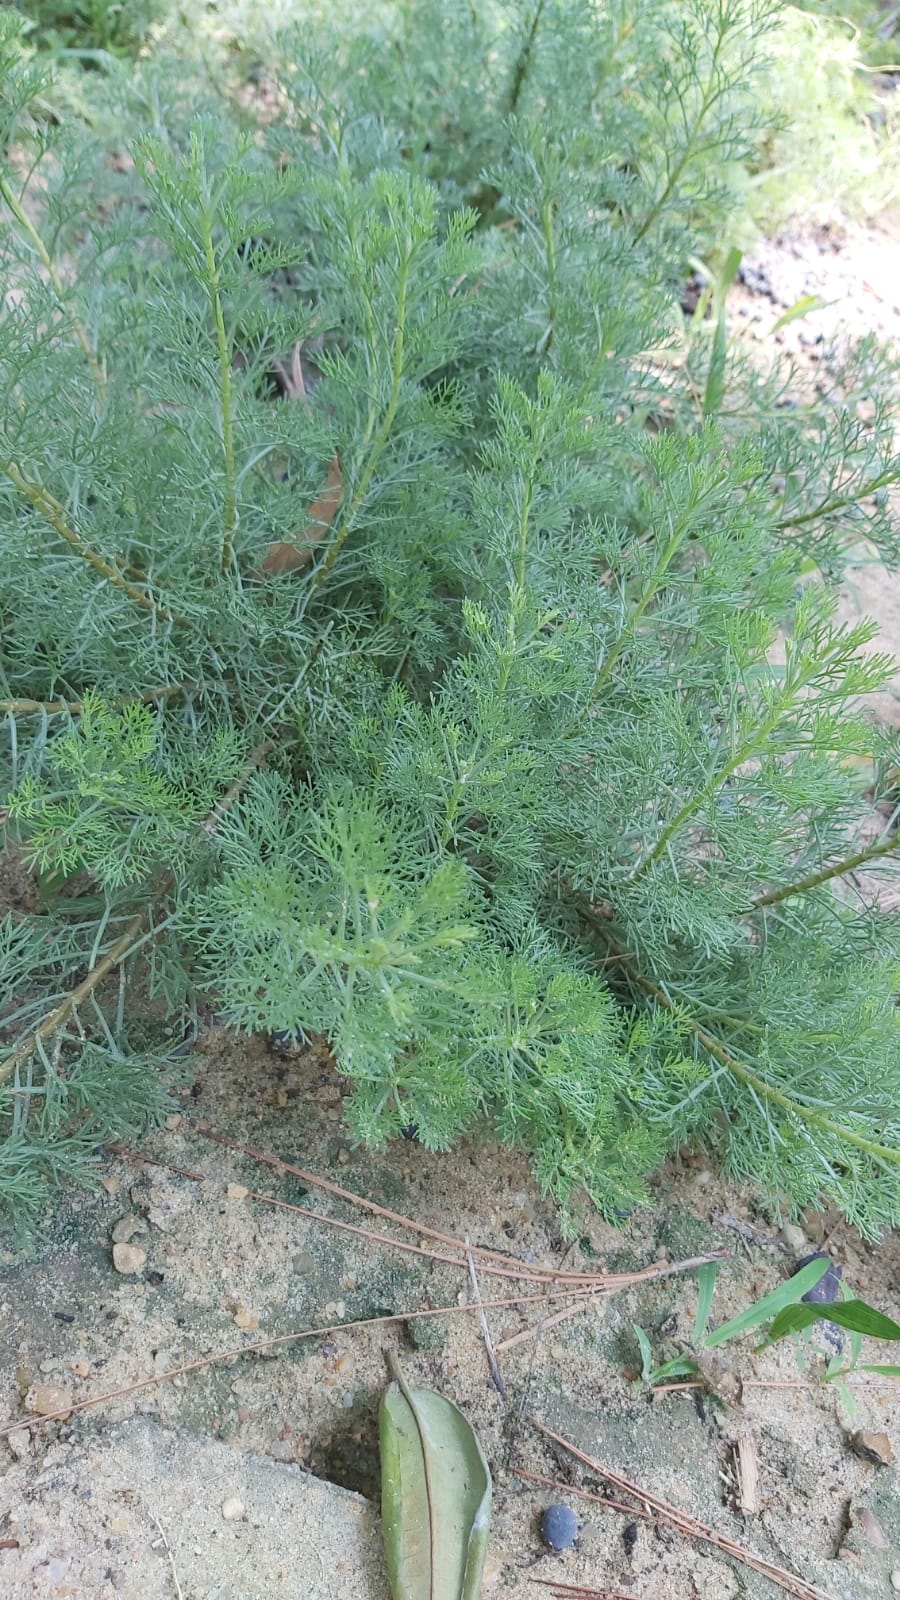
(285,1043)
(559,1527)
(828,1288)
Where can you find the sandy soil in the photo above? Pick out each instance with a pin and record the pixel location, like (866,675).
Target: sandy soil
(223,1269)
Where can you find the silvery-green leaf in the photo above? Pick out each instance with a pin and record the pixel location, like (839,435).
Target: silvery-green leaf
(435,1496)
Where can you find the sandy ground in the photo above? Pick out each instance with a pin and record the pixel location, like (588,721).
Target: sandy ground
(223,1269)
(128,1497)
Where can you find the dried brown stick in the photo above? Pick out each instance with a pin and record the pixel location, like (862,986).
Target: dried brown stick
(688,1525)
(570,1290)
(493,1368)
(581,1592)
(537,1328)
(126,941)
(583,1494)
(267,1344)
(57,1017)
(486,1258)
(482,1253)
(154,1161)
(374,1237)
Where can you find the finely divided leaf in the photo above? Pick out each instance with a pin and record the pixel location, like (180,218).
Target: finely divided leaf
(435,1497)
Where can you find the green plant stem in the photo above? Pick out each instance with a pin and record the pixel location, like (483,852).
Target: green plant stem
(523,61)
(710,95)
(739,1069)
(872,852)
(745,752)
(74,708)
(522,551)
(552,274)
(841,502)
(653,587)
(381,438)
(50,509)
(27,226)
(214,286)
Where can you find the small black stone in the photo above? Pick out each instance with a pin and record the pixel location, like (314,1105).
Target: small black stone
(828,1288)
(285,1043)
(559,1527)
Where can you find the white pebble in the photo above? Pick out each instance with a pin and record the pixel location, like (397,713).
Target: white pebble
(895,1578)
(232,1509)
(128,1258)
(794,1237)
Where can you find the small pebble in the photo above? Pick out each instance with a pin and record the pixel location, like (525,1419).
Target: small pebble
(47,1398)
(232,1509)
(559,1527)
(793,1237)
(895,1578)
(284,1043)
(128,1228)
(81,1369)
(871,1529)
(111,1185)
(19,1442)
(128,1258)
(245,1319)
(174,1121)
(236,1191)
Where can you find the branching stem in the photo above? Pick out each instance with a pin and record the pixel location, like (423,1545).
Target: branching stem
(348,519)
(637,615)
(738,1069)
(42,501)
(523,61)
(74,708)
(214,288)
(872,852)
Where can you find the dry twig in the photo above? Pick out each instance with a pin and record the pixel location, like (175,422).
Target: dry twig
(682,1521)
(168,1549)
(538,1328)
(580,1592)
(128,941)
(494,1262)
(493,1368)
(234,1352)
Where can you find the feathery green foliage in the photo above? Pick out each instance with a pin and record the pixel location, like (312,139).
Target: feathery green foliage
(534,785)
